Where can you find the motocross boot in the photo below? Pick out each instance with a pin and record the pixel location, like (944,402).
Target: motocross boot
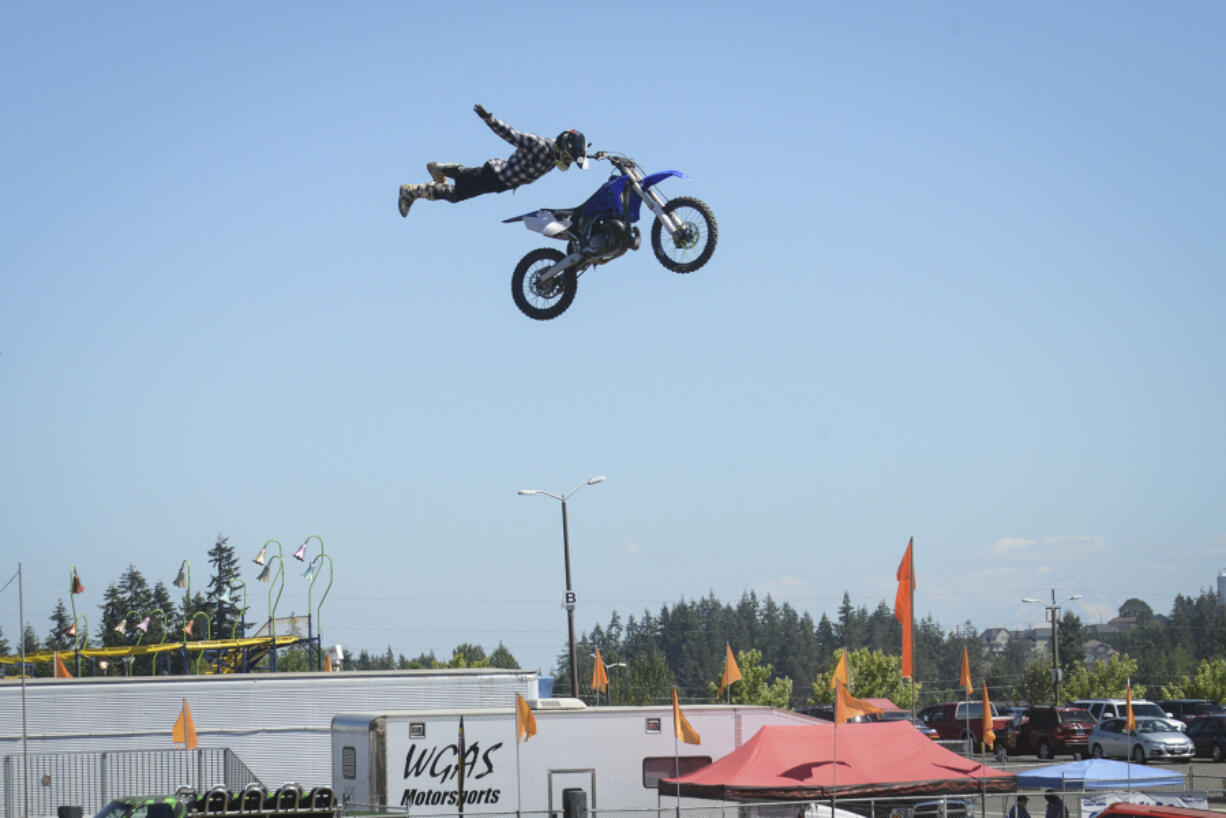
(439,171)
(429,192)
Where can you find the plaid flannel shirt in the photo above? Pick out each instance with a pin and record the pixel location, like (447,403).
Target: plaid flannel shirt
(533,156)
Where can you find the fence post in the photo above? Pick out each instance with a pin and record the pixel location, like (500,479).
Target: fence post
(8,787)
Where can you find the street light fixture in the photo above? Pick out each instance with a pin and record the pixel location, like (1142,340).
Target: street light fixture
(265,559)
(1054,610)
(570,596)
(609,667)
(314,652)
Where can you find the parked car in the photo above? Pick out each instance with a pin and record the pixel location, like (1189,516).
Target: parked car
(1154,740)
(1123,809)
(826,712)
(1208,735)
(1188,709)
(1103,709)
(1047,731)
(963,720)
(936,808)
(905,715)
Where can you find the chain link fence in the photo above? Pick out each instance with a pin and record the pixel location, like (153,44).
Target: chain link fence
(91,780)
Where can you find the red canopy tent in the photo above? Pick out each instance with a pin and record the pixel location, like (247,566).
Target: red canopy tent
(874,759)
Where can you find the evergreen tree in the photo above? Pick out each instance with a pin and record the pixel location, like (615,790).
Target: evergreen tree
(224,615)
(61,621)
(130,600)
(648,680)
(502,658)
(851,629)
(827,641)
(31,645)
(1072,638)
(884,632)
(746,620)
(769,640)
(4,644)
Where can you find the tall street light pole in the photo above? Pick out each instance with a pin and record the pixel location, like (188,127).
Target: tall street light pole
(570,597)
(1054,610)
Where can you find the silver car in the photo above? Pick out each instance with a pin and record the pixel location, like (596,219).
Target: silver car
(1154,740)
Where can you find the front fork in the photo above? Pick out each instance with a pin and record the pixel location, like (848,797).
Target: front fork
(654,202)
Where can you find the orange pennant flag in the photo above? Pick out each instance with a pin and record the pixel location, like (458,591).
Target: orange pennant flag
(600,677)
(840,673)
(185,729)
(61,671)
(327,663)
(732,673)
(989,734)
(681,727)
(965,679)
(1130,724)
(902,606)
(846,707)
(525,722)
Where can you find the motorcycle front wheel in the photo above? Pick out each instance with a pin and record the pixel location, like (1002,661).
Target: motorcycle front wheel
(535,298)
(694,243)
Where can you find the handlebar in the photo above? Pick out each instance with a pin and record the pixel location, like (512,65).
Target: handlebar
(618,160)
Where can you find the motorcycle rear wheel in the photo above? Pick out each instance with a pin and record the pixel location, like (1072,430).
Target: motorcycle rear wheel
(538,301)
(694,243)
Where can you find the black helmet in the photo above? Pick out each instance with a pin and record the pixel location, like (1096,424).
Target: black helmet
(570,146)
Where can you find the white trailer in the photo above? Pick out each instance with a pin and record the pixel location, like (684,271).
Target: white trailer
(615,755)
(277,723)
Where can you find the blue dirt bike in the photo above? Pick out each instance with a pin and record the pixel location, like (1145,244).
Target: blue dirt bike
(603,228)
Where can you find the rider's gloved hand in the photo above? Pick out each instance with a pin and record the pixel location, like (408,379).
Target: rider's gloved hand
(481,112)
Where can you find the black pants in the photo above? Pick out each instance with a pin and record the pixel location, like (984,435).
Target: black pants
(470,182)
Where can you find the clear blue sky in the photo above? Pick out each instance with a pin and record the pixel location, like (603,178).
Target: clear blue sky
(968,289)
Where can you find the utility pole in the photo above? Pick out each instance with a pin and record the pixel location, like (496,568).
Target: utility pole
(1055,650)
(1054,610)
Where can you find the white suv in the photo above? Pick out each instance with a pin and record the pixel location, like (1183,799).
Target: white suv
(1102,709)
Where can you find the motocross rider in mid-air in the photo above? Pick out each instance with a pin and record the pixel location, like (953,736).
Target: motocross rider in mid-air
(534,157)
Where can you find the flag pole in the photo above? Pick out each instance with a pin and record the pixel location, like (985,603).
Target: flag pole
(834,767)
(460,770)
(1131,735)
(677,766)
(518,782)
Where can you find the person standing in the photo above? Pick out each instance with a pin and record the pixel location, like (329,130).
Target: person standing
(1055,806)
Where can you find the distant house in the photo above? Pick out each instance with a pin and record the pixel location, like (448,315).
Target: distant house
(1124,623)
(1096,652)
(995,640)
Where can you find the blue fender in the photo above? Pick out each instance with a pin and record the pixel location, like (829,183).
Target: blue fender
(656,178)
(648,182)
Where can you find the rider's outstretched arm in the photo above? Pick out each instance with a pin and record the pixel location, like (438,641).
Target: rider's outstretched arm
(517,138)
